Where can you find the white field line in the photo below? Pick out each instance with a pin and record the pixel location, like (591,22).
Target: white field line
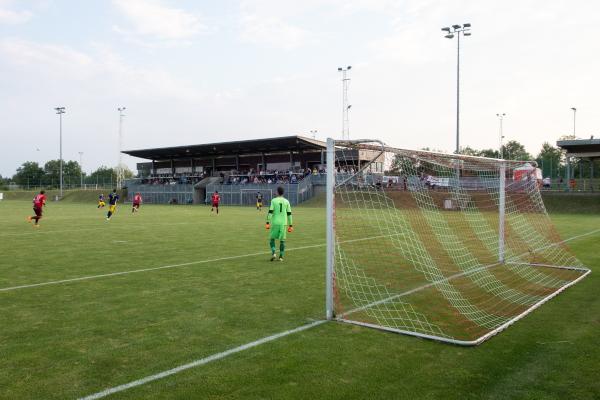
(96,228)
(135,271)
(89,277)
(219,356)
(197,363)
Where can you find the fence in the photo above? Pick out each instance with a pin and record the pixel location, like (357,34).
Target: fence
(161,194)
(246,194)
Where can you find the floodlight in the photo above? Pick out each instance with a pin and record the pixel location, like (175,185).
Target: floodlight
(446,29)
(467,33)
(449,36)
(339,68)
(467,25)
(349,67)
(456,26)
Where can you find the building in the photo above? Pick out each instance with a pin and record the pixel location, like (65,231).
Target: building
(587,150)
(237,169)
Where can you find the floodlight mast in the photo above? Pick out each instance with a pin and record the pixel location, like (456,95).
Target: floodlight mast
(574,118)
(501,119)
(60,111)
(120,169)
(345,106)
(451,32)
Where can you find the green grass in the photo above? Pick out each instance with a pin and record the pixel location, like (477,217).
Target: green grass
(73,339)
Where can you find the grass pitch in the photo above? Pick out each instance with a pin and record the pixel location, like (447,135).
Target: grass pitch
(218,291)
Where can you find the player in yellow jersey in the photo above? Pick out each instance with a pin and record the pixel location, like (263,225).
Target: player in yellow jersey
(279,222)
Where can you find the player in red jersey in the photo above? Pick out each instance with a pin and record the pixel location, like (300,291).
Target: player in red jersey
(137,200)
(215,201)
(39,201)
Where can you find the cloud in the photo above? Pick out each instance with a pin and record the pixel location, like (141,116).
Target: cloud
(101,69)
(268,23)
(151,18)
(10,17)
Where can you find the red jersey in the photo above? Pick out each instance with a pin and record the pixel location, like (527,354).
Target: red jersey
(216,198)
(137,199)
(39,200)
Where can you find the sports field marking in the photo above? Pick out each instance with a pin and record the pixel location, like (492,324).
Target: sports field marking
(202,361)
(135,271)
(219,356)
(96,228)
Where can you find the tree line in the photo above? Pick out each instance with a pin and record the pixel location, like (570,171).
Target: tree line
(32,174)
(551,160)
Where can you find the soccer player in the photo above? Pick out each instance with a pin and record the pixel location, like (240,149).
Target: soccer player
(101,202)
(137,200)
(112,204)
(215,202)
(39,201)
(280,217)
(259,201)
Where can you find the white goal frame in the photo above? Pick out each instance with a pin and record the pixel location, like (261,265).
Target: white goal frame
(501,258)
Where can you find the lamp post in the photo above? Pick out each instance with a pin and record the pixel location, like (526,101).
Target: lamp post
(60,111)
(501,119)
(314,134)
(120,171)
(451,32)
(81,169)
(345,105)
(574,118)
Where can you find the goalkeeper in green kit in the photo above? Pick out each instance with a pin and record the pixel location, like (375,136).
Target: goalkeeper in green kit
(279,222)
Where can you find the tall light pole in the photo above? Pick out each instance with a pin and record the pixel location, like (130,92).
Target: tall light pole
(574,118)
(345,105)
(120,168)
(314,134)
(501,119)
(451,32)
(81,169)
(60,111)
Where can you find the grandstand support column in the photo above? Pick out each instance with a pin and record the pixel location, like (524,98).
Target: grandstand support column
(329,190)
(291,159)
(322,157)
(172,167)
(214,167)
(237,163)
(501,209)
(192,165)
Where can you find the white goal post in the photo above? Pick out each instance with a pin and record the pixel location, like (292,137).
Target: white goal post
(454,248)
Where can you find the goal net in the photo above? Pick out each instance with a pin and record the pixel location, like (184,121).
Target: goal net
(448,247)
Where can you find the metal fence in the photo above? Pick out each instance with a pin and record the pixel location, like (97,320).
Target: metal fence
(245,195)
(161,194)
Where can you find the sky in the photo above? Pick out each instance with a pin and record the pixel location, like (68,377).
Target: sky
(191,72)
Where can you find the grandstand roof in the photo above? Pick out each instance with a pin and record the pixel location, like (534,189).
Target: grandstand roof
(240,147)
(581,147)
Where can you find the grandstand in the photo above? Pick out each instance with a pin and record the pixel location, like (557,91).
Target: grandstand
(237,170)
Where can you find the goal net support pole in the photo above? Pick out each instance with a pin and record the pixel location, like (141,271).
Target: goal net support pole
(501,211)
(330,171)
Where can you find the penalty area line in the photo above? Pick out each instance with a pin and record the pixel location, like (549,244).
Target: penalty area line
(135,271)
(199,362)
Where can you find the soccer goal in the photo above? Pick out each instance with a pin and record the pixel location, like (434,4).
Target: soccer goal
(452,248)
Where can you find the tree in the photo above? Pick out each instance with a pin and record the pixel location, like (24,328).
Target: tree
(29,173)
(514,150)
(71,172)
(103,175)
(489,153)
(549,160)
